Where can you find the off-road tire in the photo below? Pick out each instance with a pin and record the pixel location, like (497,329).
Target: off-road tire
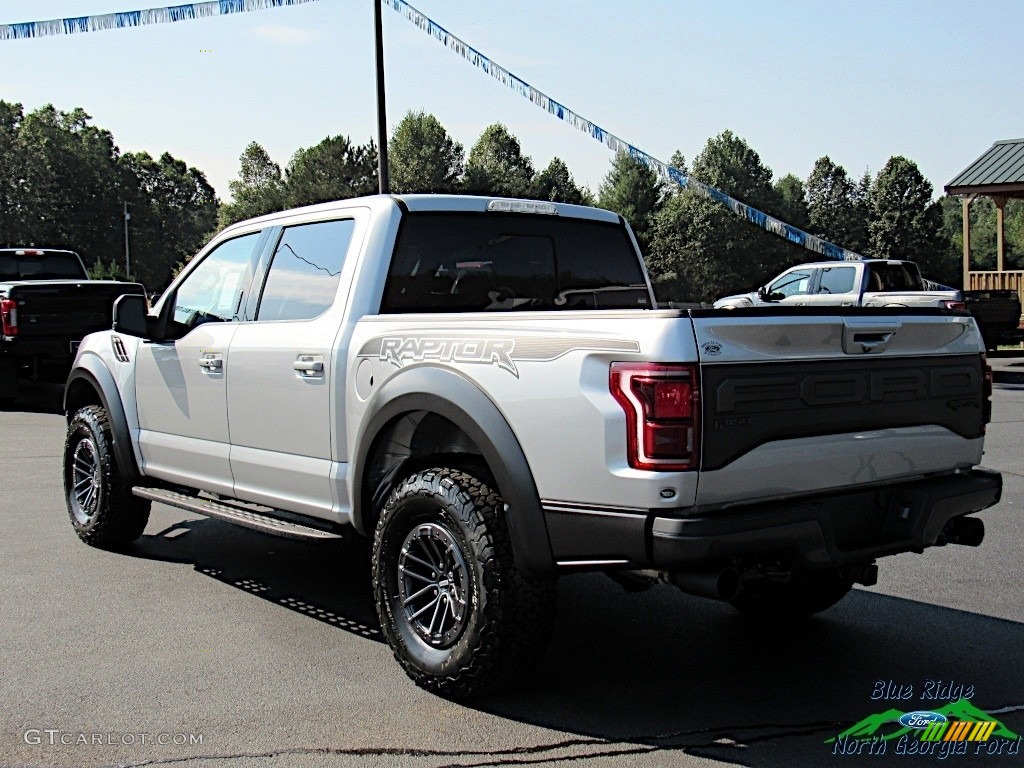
(804,595)
(507,618)
(103,510)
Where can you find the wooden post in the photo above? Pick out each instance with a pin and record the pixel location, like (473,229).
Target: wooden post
(1000,202)
(967,200)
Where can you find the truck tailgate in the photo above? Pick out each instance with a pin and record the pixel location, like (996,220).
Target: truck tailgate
(65,309)
(806,401)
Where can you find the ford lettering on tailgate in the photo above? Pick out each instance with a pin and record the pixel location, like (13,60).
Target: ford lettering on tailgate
(746,406)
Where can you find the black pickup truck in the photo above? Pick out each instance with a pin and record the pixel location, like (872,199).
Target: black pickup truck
(997,313)
(47,305)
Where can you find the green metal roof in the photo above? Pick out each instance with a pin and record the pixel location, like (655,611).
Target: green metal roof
(1000,169)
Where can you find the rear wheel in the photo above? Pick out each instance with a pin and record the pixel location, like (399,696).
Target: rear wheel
(458,614)
(103,510)
(804,595)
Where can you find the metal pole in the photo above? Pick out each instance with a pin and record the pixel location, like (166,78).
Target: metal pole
(127,255)
(382,128)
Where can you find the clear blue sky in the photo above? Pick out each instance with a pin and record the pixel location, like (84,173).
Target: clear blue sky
(857,80)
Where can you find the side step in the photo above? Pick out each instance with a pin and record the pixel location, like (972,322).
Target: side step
(247,518)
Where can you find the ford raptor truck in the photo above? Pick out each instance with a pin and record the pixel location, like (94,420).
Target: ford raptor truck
(486,390)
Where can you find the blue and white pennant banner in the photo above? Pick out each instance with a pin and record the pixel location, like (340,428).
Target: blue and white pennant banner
(613,142)
(189,11)
(186,12)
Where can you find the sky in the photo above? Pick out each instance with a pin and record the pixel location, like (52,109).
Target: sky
(857,80)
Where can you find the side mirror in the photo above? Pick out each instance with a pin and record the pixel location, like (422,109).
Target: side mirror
(132,318)
(130,315)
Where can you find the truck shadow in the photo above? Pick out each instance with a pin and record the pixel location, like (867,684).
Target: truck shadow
(37,397)
(662,672)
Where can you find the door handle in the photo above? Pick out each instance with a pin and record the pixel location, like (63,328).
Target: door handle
(213,364)
(309,366)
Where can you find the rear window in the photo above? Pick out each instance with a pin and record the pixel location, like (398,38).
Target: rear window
(893,277)
(458,262)
(49,266)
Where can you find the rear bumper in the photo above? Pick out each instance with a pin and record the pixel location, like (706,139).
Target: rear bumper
(830,531)
(818,532)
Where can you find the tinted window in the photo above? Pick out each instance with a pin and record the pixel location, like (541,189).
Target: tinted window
(214,289)
(837,279)
(447,262)
(893,277)
(50,266)
(304,274)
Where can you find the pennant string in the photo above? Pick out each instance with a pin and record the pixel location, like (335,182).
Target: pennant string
(189,11)
(170,14)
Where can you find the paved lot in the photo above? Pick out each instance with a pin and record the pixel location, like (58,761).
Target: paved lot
(268,651)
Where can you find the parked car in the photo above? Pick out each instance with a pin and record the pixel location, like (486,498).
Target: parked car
(860,283)
(48,305)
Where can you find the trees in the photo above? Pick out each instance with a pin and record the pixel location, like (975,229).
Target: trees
(258,189)
(68,183)
(700,250)
(173,212)
(633,190)
(906,224)
(334,169)
(836,207)
(64,184)
(555,183)
(497,165)
(792,197)
(422,157)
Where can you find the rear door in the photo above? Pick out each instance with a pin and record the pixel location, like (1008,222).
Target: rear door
(285,372)
(799,402)
(836,287)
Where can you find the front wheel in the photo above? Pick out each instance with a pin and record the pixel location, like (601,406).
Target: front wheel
(458,614)
(103,510)
(804,595)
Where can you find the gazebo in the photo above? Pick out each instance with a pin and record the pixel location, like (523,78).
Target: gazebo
(998,174)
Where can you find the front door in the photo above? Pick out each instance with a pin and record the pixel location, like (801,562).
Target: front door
(181,385)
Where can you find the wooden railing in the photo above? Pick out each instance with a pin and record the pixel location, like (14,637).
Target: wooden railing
(1012,280)
(996,281)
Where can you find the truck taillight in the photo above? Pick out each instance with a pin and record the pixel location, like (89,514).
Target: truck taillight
(662,405)
(9,316)
(986,390)
(950,304)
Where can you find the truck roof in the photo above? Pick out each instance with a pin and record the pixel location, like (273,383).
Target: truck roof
(450,203)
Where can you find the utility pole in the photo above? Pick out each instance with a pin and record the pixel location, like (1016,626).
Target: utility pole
(382,127)
(127,255)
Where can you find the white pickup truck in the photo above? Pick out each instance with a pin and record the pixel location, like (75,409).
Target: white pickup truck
(487,390)
(852,283)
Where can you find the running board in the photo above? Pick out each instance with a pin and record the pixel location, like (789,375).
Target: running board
(245,517)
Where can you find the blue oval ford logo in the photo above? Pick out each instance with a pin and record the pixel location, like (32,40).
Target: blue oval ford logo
(712,348)
(921,719)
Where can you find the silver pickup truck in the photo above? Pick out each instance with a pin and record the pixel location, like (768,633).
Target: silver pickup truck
(851,283)
(487,390)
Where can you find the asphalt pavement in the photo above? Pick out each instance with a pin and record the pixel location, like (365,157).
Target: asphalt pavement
(208,645)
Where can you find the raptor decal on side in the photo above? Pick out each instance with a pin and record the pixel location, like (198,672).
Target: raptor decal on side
(483,350)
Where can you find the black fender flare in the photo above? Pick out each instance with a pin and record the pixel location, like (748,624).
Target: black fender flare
(91,371)
(455,398)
